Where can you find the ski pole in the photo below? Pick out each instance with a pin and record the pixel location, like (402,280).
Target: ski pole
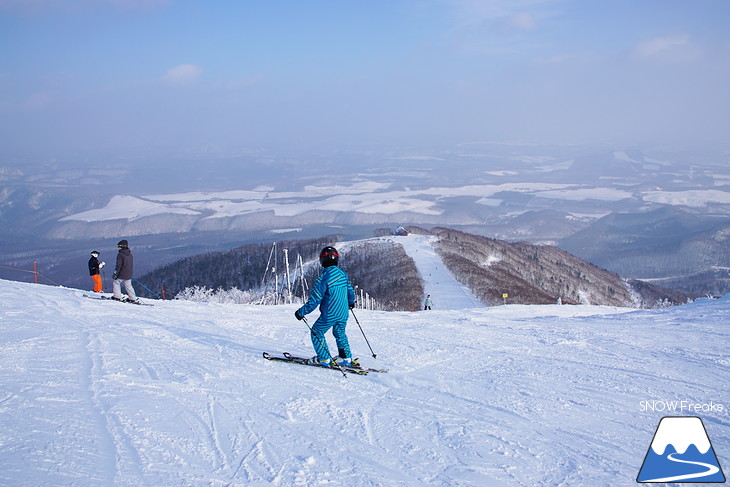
(324,345)
(363,333)
(150,290)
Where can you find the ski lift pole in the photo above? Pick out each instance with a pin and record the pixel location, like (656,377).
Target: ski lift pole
(288,276)
(302,281)
(266,273)
(363,333)
(324,343)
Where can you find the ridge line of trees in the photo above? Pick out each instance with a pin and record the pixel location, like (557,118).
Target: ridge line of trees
(380,268)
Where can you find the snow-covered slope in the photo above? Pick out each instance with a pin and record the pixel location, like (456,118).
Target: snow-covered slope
(96,393)
(445,291)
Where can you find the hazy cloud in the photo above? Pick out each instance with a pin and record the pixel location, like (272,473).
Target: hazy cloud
(34,7)
(139,3)
(555,60)
(39,100)
(183,74)
(513,13)
(523,20)
(452,70)
(652,47)
(486,27)
(242,83)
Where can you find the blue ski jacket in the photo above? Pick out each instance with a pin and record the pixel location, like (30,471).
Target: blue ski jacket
(333,293)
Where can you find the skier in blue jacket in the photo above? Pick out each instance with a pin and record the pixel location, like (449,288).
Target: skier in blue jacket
(335,296)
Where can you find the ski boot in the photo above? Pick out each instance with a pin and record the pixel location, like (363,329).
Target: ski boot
(316,361)
(348,362)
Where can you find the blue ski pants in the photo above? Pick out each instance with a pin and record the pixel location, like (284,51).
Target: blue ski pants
(320,343)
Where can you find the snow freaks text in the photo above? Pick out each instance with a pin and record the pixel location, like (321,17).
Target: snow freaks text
(682,407)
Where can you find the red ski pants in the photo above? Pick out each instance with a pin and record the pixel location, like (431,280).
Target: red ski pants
(97,283)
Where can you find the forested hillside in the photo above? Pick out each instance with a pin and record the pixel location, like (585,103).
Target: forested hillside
(379,270)
(539,274)
(385,272)
(242,268)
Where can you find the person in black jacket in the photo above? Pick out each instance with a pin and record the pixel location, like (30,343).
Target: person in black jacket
(94,268)
(123,273)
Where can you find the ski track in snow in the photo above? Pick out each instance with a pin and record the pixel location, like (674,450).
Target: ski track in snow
(99,393)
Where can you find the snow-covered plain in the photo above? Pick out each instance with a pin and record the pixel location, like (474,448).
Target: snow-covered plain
(99,393)
(364,197)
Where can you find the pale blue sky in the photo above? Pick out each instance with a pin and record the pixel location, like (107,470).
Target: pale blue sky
(105,74)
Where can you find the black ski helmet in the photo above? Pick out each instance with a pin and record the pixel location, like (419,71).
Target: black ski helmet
(95,253)
(123,244)
(329,256)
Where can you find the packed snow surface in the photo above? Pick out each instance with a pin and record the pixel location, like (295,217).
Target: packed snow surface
(445,291)
(100,393)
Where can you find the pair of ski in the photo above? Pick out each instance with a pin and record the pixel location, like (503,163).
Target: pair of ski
(125,300)
(291,359)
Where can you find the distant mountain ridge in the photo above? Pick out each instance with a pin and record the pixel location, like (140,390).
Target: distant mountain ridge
(669,246)
(556,195)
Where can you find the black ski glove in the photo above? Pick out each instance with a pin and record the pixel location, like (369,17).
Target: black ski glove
(352,305)
(298,315)
(114,275)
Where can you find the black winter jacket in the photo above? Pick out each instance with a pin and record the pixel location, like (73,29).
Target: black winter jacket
(93,266)
(125,264)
